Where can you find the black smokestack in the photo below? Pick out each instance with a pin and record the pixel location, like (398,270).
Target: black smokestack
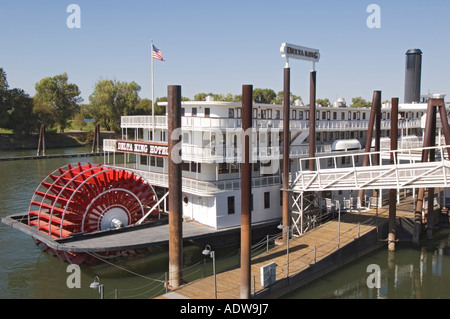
(412,75)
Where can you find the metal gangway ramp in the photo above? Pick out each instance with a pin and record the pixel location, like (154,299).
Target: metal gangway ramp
(408,171)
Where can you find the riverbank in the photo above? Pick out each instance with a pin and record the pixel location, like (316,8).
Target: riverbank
(69,139)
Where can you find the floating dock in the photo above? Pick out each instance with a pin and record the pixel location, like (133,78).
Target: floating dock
(312,255)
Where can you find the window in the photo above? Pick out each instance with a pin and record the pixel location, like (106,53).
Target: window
(186,137)
(160,162)
(143,159)
(263,114)
(182,111)
(277,114)
(230,113)
(194,111)
(207,111)
(196,167)
(230,201)
(223,168)
(267,200)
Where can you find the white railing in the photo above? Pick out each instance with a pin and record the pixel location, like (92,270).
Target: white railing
(109,145)
(206,188)
(407,171)
(220,123)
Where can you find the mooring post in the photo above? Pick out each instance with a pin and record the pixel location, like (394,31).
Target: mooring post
(246,191)
(432,155)
(373,115)
(175,186)
(41,141)
(393,192)
(286,146)
(312,118)
(376,159)
(428,135)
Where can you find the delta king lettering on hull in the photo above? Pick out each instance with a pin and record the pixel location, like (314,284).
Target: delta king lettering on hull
(298,52)
(143,148)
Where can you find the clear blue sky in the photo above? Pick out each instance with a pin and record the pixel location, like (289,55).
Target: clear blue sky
(217,46)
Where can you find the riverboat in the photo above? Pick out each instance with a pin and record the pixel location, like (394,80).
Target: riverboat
(129,191)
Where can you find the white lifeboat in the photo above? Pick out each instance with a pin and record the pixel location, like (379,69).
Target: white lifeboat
(344,145)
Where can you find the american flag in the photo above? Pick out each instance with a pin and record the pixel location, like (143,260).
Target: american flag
(156,53)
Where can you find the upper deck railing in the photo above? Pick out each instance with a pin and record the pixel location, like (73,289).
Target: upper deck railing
(220,123)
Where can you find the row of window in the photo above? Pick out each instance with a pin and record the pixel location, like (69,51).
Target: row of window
(155,161)
(231,202)
(304,115)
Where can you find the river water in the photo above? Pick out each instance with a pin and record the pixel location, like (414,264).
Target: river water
(27,272)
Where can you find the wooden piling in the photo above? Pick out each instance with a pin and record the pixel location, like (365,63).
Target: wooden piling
(175,186)
(393,192)
(286,146)
(246,192)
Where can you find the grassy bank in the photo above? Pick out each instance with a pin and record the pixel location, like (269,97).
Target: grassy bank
(52,140)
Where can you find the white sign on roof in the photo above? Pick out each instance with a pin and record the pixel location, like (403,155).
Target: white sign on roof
(298,52)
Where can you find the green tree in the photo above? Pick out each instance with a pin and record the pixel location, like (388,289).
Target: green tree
(267,96)
(280,97)
(360,102)
(323,102)
(60,97)
(21,118)
(110,100)
(144,107)
(4,107)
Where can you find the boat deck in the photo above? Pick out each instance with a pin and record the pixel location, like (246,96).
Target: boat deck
(132,237)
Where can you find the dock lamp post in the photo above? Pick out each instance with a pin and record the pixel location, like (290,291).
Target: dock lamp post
(207,251)
(287,230)
(97,285)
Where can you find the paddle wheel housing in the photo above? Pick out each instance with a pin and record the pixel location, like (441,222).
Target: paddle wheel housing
(86,198)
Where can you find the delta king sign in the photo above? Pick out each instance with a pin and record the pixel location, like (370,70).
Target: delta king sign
(300,53)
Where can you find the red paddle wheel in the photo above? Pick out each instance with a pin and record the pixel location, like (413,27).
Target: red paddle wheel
(86,198)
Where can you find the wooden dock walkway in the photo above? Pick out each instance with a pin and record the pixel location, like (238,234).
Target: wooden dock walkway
(311,255)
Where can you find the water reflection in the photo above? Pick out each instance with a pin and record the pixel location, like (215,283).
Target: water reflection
(408,273)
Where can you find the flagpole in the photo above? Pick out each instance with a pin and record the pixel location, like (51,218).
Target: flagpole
(153,93)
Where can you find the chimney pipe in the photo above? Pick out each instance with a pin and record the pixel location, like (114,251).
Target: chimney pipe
(413,70)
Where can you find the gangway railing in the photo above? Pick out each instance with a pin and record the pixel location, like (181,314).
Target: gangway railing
(407,171)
